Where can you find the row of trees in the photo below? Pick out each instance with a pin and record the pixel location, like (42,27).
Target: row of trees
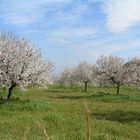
(21,64)
(108,70)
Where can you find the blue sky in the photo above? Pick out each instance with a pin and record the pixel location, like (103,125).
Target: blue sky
(70,31)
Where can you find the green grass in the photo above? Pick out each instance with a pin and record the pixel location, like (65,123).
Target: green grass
(59,113)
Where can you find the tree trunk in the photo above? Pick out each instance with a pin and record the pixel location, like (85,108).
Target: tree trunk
(86,86)
(118,88)
(10,91)
(71,84)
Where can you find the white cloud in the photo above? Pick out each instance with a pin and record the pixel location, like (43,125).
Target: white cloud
(72,35)
(28,11)
(92,50)
(122,14)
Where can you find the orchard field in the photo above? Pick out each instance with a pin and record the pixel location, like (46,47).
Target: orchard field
(63,113)
(70,70)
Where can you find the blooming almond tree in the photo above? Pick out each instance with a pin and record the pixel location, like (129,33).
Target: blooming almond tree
(21,64)
(112,68)
(118,71)
(85,73)
(67,76)
(132,67)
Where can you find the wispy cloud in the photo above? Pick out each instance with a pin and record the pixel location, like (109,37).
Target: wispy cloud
(91,51)
(25,12)
(73,30)
(72,35)
(122,14)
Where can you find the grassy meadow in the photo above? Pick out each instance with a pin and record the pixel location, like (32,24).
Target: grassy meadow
(60,113)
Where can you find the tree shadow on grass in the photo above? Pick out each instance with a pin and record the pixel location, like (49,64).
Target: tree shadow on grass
(99,96)
(12,100)
(55,91)
(84,96)
(118,115)
(61,91)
